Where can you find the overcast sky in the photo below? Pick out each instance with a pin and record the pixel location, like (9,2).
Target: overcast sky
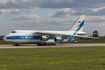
(51,15)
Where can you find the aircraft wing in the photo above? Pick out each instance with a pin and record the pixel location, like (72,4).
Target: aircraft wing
(46,33)
(63,35)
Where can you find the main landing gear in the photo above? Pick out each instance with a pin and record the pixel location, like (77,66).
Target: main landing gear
(47,44)
(16,44)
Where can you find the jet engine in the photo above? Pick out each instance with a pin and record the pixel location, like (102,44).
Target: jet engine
(44,38)
(58,39)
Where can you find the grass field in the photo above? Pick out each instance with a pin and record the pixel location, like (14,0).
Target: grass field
(69,58)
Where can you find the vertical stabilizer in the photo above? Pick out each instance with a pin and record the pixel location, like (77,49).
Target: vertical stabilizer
(78,25)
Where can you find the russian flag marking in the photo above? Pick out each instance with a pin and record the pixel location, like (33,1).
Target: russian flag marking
(79,21)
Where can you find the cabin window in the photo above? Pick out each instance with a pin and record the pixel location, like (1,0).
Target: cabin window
(13,31)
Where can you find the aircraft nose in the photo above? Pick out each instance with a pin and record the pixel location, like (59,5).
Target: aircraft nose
(4,38)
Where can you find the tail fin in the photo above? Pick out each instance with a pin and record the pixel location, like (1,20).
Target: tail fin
(78,25)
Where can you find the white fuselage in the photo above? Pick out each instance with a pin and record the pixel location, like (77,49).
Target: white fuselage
(30,36)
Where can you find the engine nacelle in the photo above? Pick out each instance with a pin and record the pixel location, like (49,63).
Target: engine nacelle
(44,38)
(58,39)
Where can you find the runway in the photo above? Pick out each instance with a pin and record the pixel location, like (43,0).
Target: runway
(58,45)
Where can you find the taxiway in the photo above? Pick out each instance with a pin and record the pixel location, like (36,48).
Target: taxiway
(58,45)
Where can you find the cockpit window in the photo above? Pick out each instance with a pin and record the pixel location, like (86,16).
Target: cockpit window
(13,31)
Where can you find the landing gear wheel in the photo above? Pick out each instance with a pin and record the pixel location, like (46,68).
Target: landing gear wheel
(16,44)
(47,44)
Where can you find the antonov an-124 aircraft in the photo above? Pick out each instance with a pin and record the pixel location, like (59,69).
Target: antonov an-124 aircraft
(43,37)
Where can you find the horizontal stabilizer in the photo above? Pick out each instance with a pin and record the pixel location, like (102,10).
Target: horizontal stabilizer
(86,33)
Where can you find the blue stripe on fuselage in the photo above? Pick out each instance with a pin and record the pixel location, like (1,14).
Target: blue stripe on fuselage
(27,37)
(23,37)
(31,37)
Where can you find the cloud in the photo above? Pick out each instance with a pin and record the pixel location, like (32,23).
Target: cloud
(16,11)
(2,19)
(21,11)
(68,11)
(66,7)
(34,22)
(95,19)
(26,4)
(26,17)
(92,12)
(62,12)
(74,4)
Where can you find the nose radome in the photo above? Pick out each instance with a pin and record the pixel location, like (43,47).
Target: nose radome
(4,38)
